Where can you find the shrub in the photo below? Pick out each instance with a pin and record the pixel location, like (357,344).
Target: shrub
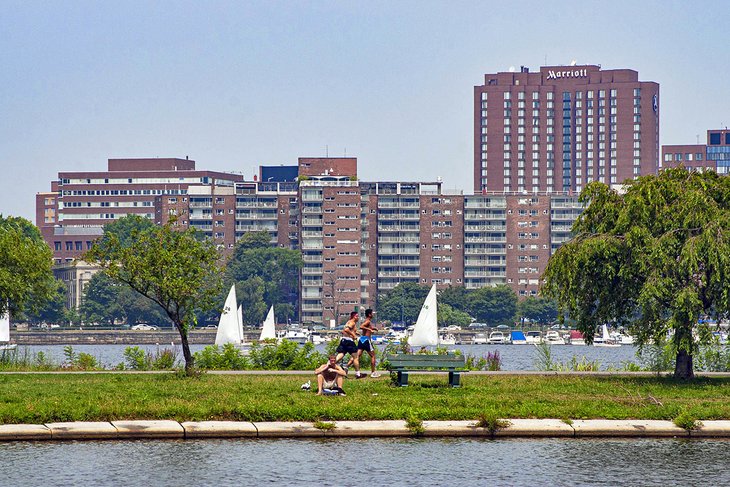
(491,422)
(414,424)
(687,421)
(227,357)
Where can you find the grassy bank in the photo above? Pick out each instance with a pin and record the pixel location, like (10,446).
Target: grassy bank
(41,398)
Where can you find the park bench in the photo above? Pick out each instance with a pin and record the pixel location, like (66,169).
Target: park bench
(402,363)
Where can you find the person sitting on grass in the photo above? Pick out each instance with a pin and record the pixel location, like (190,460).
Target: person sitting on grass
(329,376)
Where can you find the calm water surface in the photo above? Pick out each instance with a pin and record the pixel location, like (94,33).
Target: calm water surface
(373,462)
(514,357)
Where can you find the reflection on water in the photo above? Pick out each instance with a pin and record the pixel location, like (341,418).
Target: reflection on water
(377,462)
(514,357)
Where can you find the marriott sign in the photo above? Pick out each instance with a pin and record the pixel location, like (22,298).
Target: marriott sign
(570,73)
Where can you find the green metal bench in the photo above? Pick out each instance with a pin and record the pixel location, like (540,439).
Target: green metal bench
(401,364)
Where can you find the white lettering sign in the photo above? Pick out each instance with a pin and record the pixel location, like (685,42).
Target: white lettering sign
(570,73)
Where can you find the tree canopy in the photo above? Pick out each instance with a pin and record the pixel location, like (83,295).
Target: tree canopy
(494,305)
(402,303)
(655,257)
(538,310)
(173,268)
(26,280)
(264,275)
(107,301)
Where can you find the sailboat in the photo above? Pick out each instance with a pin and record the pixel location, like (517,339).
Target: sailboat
(268,330)
(606,340)
(230,325)
(425,331)
(5,332)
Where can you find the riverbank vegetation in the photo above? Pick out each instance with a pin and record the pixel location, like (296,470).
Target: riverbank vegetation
(42,398)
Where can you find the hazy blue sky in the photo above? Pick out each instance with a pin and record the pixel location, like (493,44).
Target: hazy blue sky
(238,84)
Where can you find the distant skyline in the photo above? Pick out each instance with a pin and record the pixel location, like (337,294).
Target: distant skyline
(236,85)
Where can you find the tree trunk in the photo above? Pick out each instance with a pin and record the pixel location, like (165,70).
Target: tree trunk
(189,360)
(683,367)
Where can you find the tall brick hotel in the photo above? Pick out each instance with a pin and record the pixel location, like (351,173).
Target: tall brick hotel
(539,137)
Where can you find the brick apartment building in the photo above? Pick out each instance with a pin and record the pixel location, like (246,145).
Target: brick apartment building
(73,214)
(358,239)
(714,155)
(561,127)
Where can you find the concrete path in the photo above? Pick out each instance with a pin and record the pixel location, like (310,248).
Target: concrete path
(535,428)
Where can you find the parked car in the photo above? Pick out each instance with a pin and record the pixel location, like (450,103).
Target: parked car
(144,327)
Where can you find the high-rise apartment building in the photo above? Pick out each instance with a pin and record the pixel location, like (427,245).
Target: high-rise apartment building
(358,239)
(557,129)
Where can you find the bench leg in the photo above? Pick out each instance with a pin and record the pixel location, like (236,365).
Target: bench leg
(454,378)
(403,378)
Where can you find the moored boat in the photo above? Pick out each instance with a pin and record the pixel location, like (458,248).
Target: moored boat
(517,337)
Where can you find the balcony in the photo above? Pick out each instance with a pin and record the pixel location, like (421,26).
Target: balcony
(485,228)
(398,239)
(399,274)
(312,258)
(399,216)
(255,228)
(484,251)
(485,239)
(391,251)
(312,222)
(312,271)
(399,204)
(398,228)
(485,274)
(398,263)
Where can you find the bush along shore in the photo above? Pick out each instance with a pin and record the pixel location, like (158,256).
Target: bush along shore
(269,355)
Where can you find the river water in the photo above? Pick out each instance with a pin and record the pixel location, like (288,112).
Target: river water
(514,357)
(372,462)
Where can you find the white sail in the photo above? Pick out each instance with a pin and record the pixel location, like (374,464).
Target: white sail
(606,336)
(229,328)
(425,332)
(240,321)
(269,328)
(5,327)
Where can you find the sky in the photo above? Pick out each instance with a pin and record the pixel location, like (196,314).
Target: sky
(234,85)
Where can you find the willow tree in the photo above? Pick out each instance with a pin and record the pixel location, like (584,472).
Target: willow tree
(174,268)
(654,257)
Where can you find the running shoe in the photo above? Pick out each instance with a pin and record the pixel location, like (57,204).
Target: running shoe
(374,375)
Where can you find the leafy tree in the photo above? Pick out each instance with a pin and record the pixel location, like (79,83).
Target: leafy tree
(497,305)
(108,301)
(402,303)
(655,257)
(450,316)
(454,296)
(126,229)
(250,295)
(254,256)
(26,280)
(538,309)
(100,303)
(54,310)
(173,268)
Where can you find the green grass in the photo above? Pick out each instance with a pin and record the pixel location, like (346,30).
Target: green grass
(40,398)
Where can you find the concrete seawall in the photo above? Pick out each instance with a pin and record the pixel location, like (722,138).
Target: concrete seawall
(532,428)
